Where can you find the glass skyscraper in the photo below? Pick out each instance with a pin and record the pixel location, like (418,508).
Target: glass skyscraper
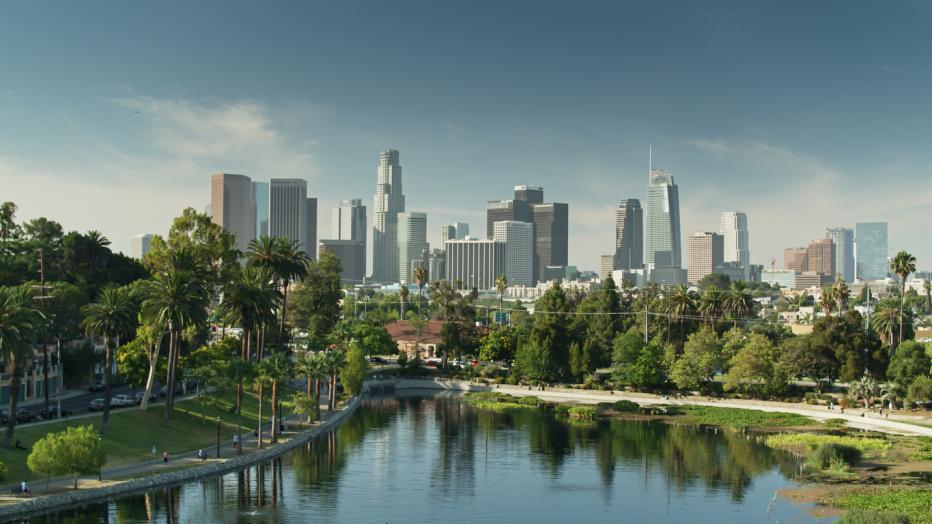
(843,238)
(662,246)
(871,250)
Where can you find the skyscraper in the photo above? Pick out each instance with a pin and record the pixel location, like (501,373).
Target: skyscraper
(662,222)
(843,238)
(551,236)
(820,256)
(629,235)
(474,263)
(352,257)
(412,242)
(870,250)
(231,207)
(796,259)
(529,194)
(348,222)
(387,203)
(519,251)
(291,214)
(706,253)
(454,231)
(734,230)
(139,245)
(260,201)
(499,210)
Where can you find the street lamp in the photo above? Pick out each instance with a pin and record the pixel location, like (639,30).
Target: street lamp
(100,442)
(218,437)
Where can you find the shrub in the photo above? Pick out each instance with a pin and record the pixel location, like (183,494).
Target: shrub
(832,456)
(626,406)
(868,516)
(836,423)
(581,412)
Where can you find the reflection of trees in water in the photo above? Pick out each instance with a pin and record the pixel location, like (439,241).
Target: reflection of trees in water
(454,471)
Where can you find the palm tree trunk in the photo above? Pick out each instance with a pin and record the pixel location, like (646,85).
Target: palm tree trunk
(281,327)
(168,378)
(317,397)
(108,376)
(150,380)
(259,430)
(310,395)
(274,411)
(14,398)
(902,307)
(333,390)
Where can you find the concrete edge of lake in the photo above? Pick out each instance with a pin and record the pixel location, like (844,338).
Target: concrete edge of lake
(61,501)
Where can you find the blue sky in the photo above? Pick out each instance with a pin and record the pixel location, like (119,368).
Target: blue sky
(803,114)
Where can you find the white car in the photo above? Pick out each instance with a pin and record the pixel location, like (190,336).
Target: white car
(122,400)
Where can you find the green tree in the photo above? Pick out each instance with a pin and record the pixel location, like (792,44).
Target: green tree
(533,363)
(19,322)
(840,292)
(702,358)
(334,360)
(754,368)
(903,264)
(78,450)
(275,369)
(884,320)
(112,316)
(843,348)
(285,261)
(711,303)
(637,363)
(927,288)
(132,362)
(374,338)
(910,361)
(420,278)
(738,302)
(316,302)
(602,327)
(501,285)
(314,369)
(718,281)
(579,362)
(920,390)
(499,345)
(550,331)
(355,372)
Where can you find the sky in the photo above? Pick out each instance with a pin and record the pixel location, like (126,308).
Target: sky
(802,114)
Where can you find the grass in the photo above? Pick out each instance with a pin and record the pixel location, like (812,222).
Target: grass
(586,413)
(742,418)
(836,423)
(923,451)
(813,441)
(867,516)
(914,503)
(132,433)
(501,401)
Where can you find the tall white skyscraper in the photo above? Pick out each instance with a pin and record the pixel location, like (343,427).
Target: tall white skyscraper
(291,214)
(734,229)
(662,246)
(231,207)
(519,250)
(387,203)
(260,201)
(412,243)
(139,245)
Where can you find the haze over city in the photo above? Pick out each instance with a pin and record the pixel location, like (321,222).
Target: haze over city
(115,121)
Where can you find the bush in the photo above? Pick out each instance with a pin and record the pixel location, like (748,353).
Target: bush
(626,406)
(581,412)
(868,516)
(832,456)
(812,441)
(836,423)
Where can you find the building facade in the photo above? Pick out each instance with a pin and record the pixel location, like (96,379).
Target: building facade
(140,245)
(260,202)
(706,253)
(291,214)
(348,222)
(796,259)
(231,207)
(506,210)
(820,256)
(843,238)
(352,255)
(734,230)
(629,235)
(870,250)
(551,236)
(474,262)
(519,251)
(412,242)
(662,243)
(389,200)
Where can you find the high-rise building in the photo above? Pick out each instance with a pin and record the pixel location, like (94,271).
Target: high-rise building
(260,201)
(606,266)
(474,263)
(551,236)
(519,251)
(352,257)
(454,231)
(734,229)
(843,238)
(436,265)
(412,241)
(291,214)
(820,257)
(139,245)
(232,208)
(387,203)
(662,244)
(529,194)
(796,259)
(706,253)
(501,210)
(348,222)
(629,235)
(870,250)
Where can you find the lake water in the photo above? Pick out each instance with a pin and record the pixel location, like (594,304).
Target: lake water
(437,459)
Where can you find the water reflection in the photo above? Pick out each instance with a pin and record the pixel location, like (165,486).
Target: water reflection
(415,459)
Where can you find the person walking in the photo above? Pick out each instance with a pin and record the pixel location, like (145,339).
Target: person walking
(235,441)
(165,457)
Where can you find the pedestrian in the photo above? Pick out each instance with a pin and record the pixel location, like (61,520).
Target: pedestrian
(235,441)
(165,457)
(201,455)
(154,450)
(24,488)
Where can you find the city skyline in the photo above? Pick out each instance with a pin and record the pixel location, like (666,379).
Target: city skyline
(138,129)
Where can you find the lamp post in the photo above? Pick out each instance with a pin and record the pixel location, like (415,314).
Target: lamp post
(100,442)
(218,437)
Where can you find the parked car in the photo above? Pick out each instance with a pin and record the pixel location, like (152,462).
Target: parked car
(377,360)
(120,401)
(96,405)
(53,412)
(24,415)
(137,398)
(96,386)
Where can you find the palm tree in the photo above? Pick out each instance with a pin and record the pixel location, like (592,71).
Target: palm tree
(150,333)
(403,298)
(865,388)
(334,360)
(177,300)
(826,299)
(927,287)
(840,293)
(710,304)
(19,323)
(501,285)
(884,319)
(110,317)
(237,372)
(276,368)
(285,262)
(98,247)
(420,277)
(738,302)
(903,264)
(314,369)
(680,303)
(443,294)
(419,323)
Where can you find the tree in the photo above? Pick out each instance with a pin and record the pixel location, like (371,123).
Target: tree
(718,281)
(638,363)
(700,361)
(920,390)
(840,292)
(754,368)
(374,338)
(681,302)
(550,331)
(826,299)
(8,227)
(884,319)
(402,300)
(132,362)
(112,316)
(501,285)
(579,362)
(45,458)
(903,264)
(355,372)
(334,361)
(78,450)
(927,287)
(909,361)
(842,348)
(738,302)
(420,278)
(711,303)
(533,363)
(274,369)
(316,302)
(19,321)
(314,369)
(285,262)
(499,345)
(149,335)
(602,327)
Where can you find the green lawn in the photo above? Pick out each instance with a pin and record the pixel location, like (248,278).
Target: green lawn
(132,432)
(741,418)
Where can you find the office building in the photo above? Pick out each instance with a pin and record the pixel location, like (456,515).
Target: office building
(506,210)
(551,235)
(662,244)
(311,229)
(387,203)
(796,259)
(734,230)
(139,245)
(820,257)
(870,250)
(291,214)
(454,231)
(260,201)
(606,266)
(474,262)
(843,238)
(436,265)
(348,222)
(412,241)
(706,253)
(352,257)
(812,279)
(529,194)
(519,251)
(231,207)
(785,278)
(629,235)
